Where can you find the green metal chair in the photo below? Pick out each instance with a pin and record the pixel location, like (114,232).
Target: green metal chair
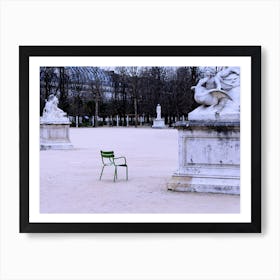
(109,159)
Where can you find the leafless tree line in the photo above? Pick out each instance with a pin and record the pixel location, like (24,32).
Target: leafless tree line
(122,91)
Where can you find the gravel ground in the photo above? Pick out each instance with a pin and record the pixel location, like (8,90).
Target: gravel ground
(69,179)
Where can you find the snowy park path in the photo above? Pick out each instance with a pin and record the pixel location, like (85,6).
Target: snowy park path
(69,179)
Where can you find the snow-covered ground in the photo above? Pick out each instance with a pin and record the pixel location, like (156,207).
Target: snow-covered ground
(69,179)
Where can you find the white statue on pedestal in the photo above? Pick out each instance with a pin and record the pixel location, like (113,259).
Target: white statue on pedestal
(158,122)
(54,127)
(219,95)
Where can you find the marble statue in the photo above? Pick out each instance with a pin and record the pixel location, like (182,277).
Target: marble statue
(209,142)
(219,95)
(51,110)
(54,127)
(158,110)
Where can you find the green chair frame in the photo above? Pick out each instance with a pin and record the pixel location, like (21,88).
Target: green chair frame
(109,159)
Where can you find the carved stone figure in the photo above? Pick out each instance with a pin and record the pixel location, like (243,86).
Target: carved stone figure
(51,110)
(210,97)
(219,95)
(158,110)
(209,80)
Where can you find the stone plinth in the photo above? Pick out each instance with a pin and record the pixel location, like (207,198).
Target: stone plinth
(158,123)
(209,157)
(55,135)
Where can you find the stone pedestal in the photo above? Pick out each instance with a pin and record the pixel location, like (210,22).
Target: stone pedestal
(158,123)
(55,135)
(209,157)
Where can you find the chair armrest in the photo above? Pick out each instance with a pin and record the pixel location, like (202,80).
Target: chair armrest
(118,158)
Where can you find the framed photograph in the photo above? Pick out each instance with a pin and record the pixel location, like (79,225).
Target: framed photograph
(140,139)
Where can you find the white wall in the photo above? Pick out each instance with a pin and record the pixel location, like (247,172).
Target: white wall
(139,256)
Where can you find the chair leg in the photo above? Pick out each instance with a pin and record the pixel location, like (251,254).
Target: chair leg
(115,174)
(126,173)
(101,172)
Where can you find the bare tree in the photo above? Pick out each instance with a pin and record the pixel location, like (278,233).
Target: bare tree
(96,84)
(133,72)
(123,89)
(77,87)
(63,89)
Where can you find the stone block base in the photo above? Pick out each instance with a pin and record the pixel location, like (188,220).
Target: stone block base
(158,123)
(209,157)
(55,136)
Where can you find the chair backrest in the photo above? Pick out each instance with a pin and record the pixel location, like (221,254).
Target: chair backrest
(107,156)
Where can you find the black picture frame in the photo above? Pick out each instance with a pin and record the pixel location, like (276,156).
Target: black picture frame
(254,52)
